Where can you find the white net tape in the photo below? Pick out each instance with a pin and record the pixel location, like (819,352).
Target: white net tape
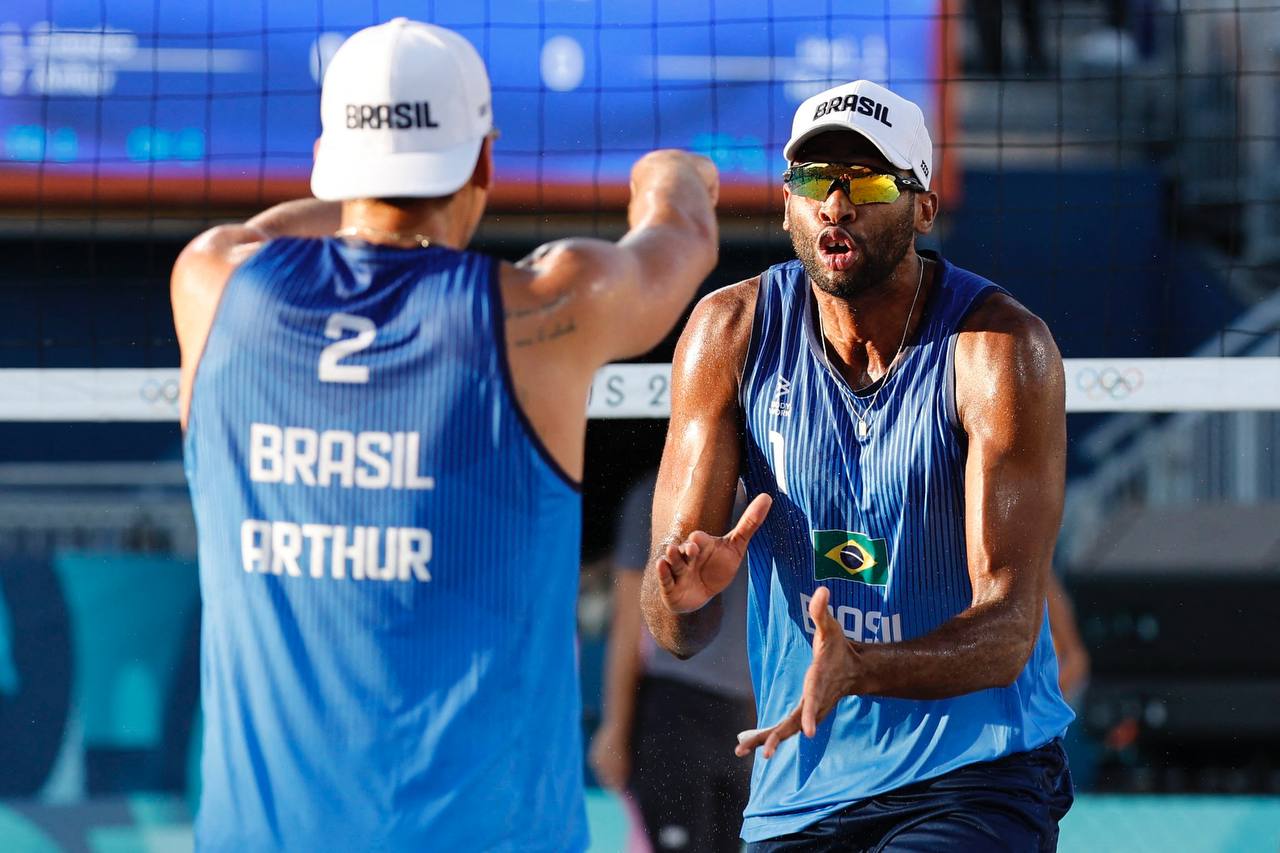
(644,390)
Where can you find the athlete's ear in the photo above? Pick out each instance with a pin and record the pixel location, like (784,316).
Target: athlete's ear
(786,208)
(926,211)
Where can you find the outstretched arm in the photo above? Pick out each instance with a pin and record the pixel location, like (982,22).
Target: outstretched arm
(1011,400)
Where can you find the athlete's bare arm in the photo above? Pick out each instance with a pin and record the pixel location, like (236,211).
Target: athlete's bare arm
(699,476)
(1010,397)
(205,265)
(575,305)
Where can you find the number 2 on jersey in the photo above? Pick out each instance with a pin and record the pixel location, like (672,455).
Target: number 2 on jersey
(338,325)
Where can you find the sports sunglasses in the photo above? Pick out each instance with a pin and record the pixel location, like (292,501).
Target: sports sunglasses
(863,185)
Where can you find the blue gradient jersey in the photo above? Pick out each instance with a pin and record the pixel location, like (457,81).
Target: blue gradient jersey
(389,565)
(880,522)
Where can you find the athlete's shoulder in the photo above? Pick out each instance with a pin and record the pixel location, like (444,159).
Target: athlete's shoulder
(713,347)
(1005,352)
(723,317)
(998,313)
(727,305)
(547,271)
(568,263)
(576,275)
(214,254)
(229,240)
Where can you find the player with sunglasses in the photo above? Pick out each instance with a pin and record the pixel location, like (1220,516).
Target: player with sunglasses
(901,422)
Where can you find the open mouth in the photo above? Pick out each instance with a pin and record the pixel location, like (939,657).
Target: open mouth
(837,249)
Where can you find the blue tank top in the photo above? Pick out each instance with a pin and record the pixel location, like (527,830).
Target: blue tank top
(878,520)
(388,564)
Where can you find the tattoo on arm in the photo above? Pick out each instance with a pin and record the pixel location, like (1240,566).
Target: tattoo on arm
(539,310)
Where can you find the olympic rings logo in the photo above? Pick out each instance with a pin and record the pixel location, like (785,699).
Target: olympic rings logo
(159,391)
(1109,382)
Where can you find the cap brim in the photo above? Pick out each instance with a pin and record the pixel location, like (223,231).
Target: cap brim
(341,174)
(898,160)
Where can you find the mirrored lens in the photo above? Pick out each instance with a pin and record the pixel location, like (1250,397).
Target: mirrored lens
(812,184)
(863,186)
(873,189)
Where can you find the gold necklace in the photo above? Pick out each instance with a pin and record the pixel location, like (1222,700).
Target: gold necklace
(394,236)
(864,426)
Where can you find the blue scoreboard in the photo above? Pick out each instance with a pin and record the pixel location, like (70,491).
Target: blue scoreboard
(118,101)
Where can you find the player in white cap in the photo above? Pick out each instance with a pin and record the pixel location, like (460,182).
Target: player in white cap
(906,419)
(384,440)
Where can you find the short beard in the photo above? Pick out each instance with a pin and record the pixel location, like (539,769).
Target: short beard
(880,257)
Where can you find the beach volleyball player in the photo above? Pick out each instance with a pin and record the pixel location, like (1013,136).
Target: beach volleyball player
(907,419)
(384,438)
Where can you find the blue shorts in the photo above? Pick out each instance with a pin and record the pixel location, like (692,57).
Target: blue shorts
(1011,804)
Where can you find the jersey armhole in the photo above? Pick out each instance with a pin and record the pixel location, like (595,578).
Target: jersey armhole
(753,346)
(497,319)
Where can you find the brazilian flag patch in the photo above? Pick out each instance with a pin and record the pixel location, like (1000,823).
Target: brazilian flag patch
(848,556)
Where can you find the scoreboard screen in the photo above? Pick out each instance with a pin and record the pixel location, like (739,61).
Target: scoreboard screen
(184,101)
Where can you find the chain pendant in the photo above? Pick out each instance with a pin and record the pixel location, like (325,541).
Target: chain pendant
(863,429)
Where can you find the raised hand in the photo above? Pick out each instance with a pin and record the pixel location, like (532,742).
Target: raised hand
(692,573)
(832,676)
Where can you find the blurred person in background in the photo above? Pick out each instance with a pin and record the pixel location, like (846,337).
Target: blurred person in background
(664,734)
(1073,657)
(989,16)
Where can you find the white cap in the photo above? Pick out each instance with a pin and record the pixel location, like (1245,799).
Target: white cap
(404,109)
(892,123)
